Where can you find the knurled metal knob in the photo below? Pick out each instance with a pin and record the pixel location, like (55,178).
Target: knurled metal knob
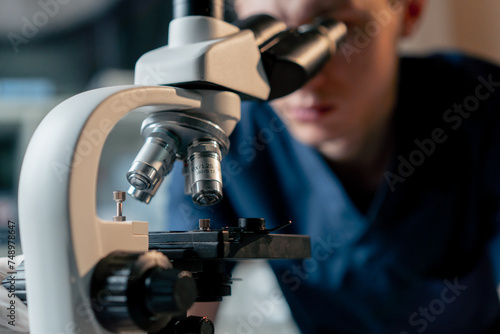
(204,224)
(119,197)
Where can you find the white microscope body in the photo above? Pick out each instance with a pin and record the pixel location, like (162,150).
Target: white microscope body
(63,238)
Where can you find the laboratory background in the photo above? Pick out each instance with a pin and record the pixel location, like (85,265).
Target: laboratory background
(49,53)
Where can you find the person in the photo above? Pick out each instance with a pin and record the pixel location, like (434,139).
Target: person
(390,164)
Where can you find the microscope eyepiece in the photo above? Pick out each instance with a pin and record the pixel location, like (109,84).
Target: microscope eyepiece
(204,172)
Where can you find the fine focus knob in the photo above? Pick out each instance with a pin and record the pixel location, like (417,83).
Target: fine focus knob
(169,290)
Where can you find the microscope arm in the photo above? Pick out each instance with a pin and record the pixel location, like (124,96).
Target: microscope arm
(58,186)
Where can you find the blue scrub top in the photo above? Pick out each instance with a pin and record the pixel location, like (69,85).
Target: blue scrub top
(426,254)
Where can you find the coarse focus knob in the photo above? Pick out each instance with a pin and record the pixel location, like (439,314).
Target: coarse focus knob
(135,291)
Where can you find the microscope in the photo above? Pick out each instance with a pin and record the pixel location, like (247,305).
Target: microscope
(85,274)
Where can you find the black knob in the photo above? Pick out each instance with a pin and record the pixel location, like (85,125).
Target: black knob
(133,291)
(169,290)
(252,224)
(195,325)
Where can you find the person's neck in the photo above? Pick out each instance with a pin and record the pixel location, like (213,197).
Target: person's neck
(360,164)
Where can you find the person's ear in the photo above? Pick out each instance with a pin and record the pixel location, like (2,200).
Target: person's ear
(412,12)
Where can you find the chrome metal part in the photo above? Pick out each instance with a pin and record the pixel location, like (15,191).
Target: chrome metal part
(187,128)
(199,142)
(144,196)
(203,162)
(204,224)
(154,160)
(119,197)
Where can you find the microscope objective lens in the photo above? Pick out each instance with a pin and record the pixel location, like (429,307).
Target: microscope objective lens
(152,163)
(204,172)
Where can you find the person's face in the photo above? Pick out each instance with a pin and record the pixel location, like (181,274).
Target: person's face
(355,91)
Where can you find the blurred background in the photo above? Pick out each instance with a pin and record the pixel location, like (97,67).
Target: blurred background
(53,49)
(469,26)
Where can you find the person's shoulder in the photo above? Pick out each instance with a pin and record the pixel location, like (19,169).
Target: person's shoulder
(452,91)
(474,84)
(255,112)
(256,117)
(470,64)
(449,78)
(451,57)
(449,67)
